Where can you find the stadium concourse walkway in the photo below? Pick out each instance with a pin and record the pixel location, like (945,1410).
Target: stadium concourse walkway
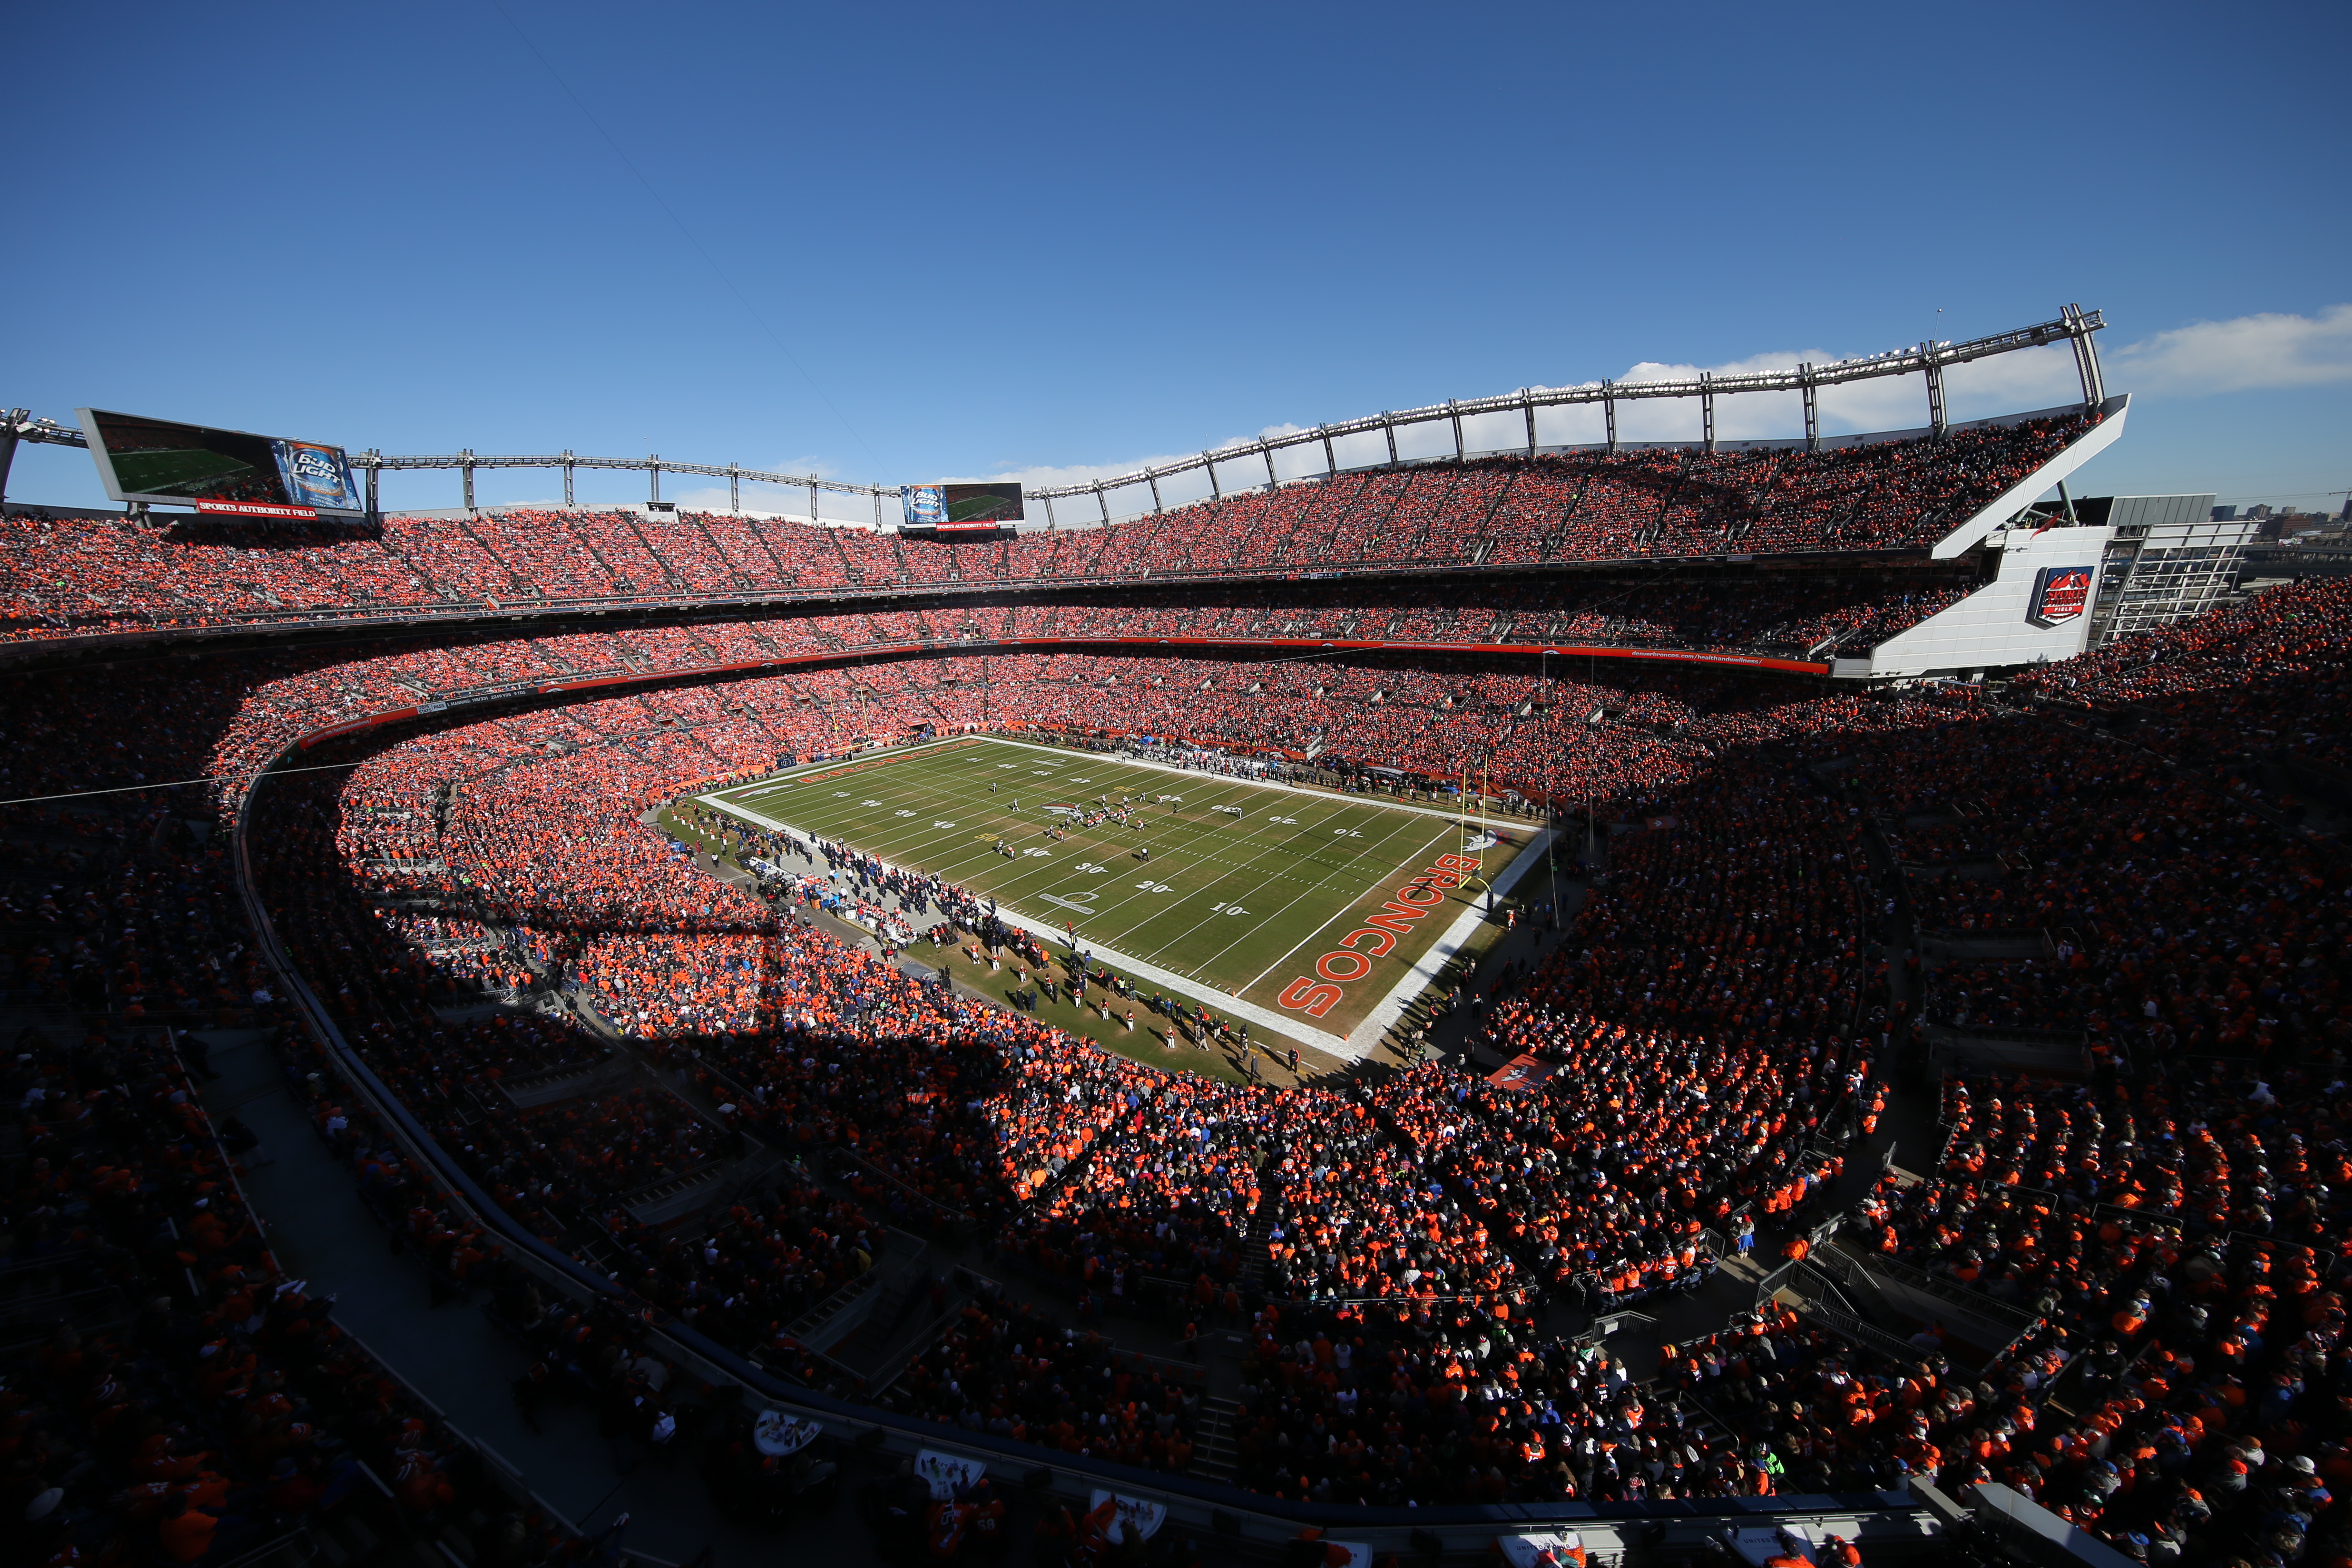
(322,1233)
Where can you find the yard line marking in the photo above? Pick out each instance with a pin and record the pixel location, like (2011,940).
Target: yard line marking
(1335,914)
(1295,836)
(823,820)
(1159,912)
(1192,834)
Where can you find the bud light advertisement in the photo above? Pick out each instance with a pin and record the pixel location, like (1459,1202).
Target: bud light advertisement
(316,476)
(923,506)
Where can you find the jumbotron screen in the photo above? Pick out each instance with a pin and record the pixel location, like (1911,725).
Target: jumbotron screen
(230,472)
(960,506)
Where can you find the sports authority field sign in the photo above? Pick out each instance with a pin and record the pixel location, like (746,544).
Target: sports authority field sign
(2060,593)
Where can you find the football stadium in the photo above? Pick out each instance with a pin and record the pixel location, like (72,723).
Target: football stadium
(1665,1001)
(1181,927)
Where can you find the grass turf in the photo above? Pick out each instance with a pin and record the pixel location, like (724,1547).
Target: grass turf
(1242,901)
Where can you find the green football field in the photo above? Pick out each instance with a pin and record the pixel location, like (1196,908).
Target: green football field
(1312,907)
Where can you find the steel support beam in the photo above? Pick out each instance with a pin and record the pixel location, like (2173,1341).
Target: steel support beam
(1935,390)
(1048,499)
(1706,408)
(1455,409)
(1390,425)
(2077,325)
(372,509)
(1267,453)
(1812,408)
(2086,354)
(1330,462)
(1154,480)
(570,461)
(8,448)
(812,489)
(1527,402)
(469,466)
(735,490)
(1214,492)
(653,468)
(1102,504)
(1609,413)
(567,477)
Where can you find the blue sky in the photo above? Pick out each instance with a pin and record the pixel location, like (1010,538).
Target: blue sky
(899,243)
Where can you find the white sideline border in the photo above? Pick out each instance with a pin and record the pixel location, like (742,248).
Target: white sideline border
(1355,1045)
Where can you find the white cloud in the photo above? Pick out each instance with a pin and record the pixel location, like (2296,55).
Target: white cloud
(699,493)
(2006,384)
(1088,473)
(1080,473)
(2242,355)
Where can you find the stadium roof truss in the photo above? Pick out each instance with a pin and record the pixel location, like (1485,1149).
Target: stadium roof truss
(2074,325)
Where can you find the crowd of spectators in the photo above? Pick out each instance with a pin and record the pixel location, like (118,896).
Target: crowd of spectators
(1355,1216)
(1566,738)
(586,1153)
(1172,1195)
(2185,1237)
(1003,1368)
(200,1403)
(2262,678)
(1712,1029)
(759,1268)
(1775,616)
(2197,920)
(1103,1173)
(63,576)
(1595,1221)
